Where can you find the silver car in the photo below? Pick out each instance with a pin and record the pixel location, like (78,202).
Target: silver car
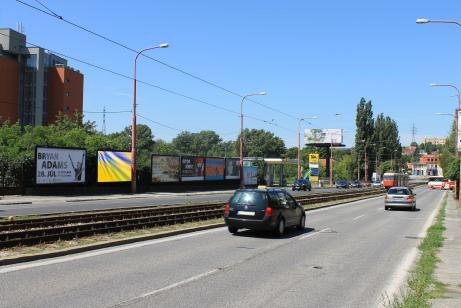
(400,197)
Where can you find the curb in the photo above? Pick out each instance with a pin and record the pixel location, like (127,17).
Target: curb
(54,254)
(15,202)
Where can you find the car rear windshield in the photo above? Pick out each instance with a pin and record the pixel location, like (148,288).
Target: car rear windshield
(250,198)
(398,191)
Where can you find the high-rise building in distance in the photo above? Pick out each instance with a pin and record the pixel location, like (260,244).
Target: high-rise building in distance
(35,85)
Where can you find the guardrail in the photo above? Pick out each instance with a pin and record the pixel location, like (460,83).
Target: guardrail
(66,226)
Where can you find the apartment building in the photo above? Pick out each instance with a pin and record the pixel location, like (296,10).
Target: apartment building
(35,85)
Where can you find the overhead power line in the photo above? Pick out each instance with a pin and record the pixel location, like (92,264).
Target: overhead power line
(154,86)
(213,84)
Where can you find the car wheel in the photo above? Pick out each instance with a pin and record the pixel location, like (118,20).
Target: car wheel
(302,223)
(413,208)
(386,208)
(304,188)
(310,188)
(280,227)
(233,230)
(293,189)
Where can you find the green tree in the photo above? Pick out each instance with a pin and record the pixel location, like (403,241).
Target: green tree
(343,168)
(261,143)
(364,134)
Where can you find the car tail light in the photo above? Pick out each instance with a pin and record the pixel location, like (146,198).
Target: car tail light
(410,198)
(268,212)
(386,197)
(226,209)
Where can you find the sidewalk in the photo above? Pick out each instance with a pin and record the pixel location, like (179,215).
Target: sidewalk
(448,270)
(20,199)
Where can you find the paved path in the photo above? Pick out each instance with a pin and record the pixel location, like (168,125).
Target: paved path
(349,256)
(449,268)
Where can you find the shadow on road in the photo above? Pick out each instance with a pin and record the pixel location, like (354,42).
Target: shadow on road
(289,233)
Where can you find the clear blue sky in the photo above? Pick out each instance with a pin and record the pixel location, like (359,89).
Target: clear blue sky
(312,58)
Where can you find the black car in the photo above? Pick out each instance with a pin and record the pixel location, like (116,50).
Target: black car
(356,184)
(342,184)
(301,184)
(263,209)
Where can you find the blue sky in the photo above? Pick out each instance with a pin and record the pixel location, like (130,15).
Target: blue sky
(312,57)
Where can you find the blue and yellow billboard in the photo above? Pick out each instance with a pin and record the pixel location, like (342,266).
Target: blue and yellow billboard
(114,166)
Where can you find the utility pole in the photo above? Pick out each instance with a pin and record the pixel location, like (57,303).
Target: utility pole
(104,120)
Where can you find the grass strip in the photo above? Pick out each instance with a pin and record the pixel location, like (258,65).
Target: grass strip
(422,285)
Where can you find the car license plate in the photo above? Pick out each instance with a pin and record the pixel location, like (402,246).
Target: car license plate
(246,213)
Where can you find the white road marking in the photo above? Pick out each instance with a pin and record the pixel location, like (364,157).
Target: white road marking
(104,251)
(169,287)
(312,234)
(358,217)
(400,275)
(313,211)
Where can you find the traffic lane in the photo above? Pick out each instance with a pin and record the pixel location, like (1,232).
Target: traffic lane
(111,278)
(347,266)
(49,207)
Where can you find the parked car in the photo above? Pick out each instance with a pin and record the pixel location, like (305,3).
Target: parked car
(356,184)
(376,184)
(263,209)
(302,184)
(342,184)
(400,197)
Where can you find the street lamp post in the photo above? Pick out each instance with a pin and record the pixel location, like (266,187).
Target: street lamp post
(299,142)
(455,22)
(241,135)
(133,126)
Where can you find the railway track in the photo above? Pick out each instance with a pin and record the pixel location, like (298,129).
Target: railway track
(67,226)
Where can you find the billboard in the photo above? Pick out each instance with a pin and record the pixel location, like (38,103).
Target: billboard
(114,166)
(192,168)
(250,175)
(59,165)
(324,135)
(214,168)
(459,131)
(165,168)
(232,168)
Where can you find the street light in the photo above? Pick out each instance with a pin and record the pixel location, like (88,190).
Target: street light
(241,134)
(445,21)
(133,126)
(299,141)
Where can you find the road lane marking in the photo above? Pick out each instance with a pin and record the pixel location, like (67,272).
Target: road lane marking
(169,287)
(14,268)
(312,234)
(358,217)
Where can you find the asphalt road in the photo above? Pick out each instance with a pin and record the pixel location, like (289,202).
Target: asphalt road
(349,256)
(46,205)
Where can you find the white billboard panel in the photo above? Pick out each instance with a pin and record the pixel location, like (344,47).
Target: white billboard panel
(323,135)
(60,165)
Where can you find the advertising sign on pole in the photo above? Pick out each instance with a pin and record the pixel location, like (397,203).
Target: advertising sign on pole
(165,168)
(59,165)
(232,168)
(192,168)
(114,166)
(214,169)
(323,135)
(250,175)
(459,131)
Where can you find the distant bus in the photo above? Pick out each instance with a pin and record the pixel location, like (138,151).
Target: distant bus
(395,179)
(436,182)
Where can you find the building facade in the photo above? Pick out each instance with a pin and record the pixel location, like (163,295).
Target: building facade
(35,85)
(435,140)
